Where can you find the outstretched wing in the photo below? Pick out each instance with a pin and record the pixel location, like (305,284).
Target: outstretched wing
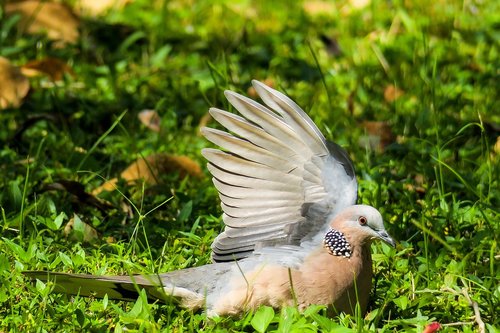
(279,180)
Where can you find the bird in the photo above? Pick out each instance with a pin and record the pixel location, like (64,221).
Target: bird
(293,233)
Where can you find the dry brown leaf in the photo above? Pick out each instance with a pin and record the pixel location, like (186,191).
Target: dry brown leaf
(108,186)
(14,86)
(182,164)
(150,119)
(253,94)
(77,189)
(378,135)
(80,231)
(53,67)
(150,169)
(96,7)
(56,19)
(392,93)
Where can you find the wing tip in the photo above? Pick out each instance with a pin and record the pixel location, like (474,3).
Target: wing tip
(209,152)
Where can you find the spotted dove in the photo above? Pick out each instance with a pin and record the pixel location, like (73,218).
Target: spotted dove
(293,234)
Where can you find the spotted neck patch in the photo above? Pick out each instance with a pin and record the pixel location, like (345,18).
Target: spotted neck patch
(336,244)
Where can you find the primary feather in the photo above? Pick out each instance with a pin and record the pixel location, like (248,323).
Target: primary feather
(277,169)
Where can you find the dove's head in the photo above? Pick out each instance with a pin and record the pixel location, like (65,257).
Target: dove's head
(359,224)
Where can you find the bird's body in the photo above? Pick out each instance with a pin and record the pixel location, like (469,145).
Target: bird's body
(293,234)
(229,288)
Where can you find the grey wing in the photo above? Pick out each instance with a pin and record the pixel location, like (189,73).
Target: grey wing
(279,180)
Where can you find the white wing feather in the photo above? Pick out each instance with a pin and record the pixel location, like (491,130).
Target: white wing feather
(279,180)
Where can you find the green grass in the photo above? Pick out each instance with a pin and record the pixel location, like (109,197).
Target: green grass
(436,183)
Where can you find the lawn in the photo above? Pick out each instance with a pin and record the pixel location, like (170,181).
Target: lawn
(89,96)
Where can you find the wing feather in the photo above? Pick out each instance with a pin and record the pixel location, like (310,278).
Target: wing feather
(294,116)
(278,179)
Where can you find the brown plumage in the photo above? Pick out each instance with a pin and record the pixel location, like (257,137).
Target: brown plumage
(293,234)
(322,278)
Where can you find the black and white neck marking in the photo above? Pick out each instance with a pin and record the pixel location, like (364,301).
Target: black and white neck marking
(336,244)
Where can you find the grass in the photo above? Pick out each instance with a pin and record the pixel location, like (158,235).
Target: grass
(436,182)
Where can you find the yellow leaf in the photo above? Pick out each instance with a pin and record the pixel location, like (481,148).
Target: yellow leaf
(150,169)
(14,86)
(56,19)
(53,67)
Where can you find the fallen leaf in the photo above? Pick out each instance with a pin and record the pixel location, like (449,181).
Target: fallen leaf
(378,135)
(80,231)
(53,67)
(108,186)
(78,190)
(56,19)
(150,119)
(392,93)
(150,169)
(14,86)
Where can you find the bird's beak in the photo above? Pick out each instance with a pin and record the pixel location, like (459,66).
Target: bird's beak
(383,235)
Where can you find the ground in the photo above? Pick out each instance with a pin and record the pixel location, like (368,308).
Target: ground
(408,88)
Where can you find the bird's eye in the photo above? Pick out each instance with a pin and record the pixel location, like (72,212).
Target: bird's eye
(362,220)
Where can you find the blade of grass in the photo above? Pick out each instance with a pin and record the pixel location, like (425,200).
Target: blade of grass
(323,81)
(435,236)
(101,138)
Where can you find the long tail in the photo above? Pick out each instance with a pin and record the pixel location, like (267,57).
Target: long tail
(125,288)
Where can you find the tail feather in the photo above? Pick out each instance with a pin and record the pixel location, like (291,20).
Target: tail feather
(125,288)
